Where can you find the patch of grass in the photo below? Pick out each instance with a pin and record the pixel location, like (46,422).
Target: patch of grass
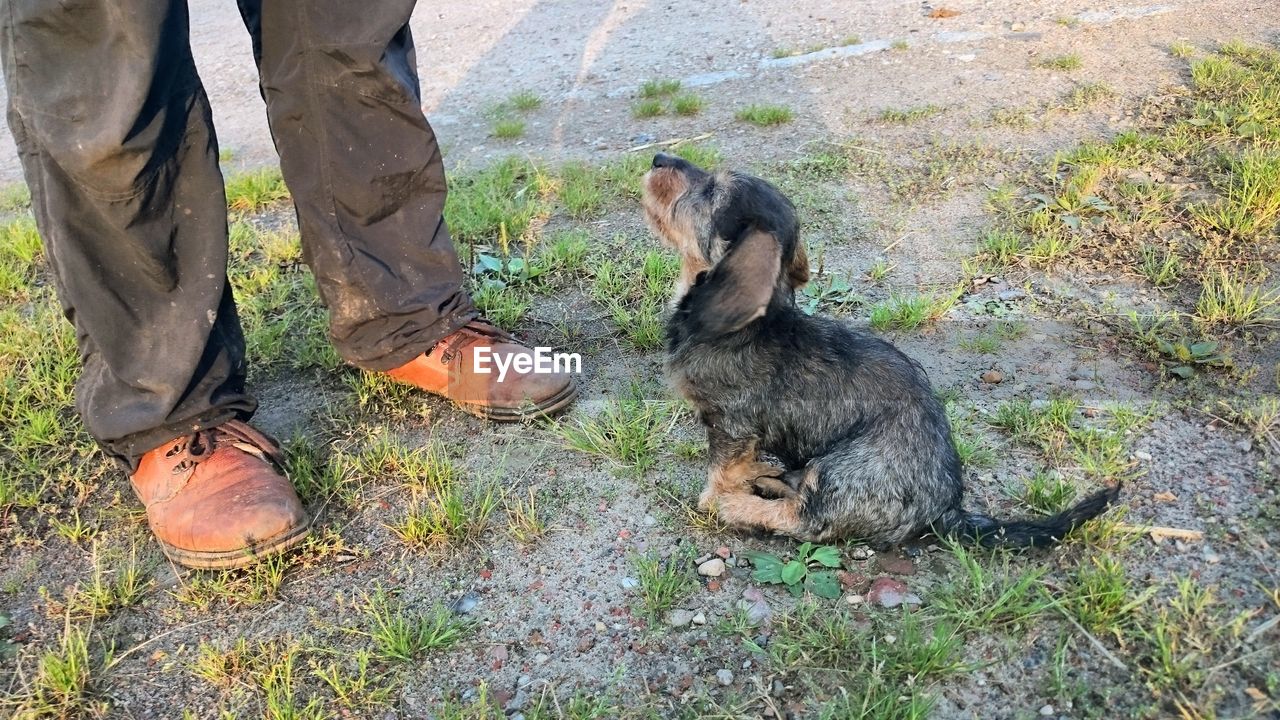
(1161,267)
(659,88)
(15,197)
(1002,247)
(909,312)
(1249,205)
(988,591)
(687,104)
(629,430)
(664,581)
(251,192)
(497,205)
(905,116)
(403,637)
(359,688)
(899,45)
(1181,49)
(1086,94)
(1013,117)
(251,586)
(765,115)
(1048,492)
(1226,300)
(649,108)
(525,101)
(449,517)
(65,679)
(581,192)
(21,257)
(508,128)
(109,591)
(1067,62)
(525,521)
(1101,596)
(877,669)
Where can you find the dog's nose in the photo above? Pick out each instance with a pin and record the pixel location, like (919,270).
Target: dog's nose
(662,160)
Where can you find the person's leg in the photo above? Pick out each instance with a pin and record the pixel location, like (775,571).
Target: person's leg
(116,141)
(341,88)
(114,133)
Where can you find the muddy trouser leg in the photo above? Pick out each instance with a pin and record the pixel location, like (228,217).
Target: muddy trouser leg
(341,87)
(116,142)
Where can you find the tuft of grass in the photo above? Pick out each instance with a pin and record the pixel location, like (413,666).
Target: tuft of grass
(664,581)
(450,517)
(629,430)
(1250,203)
(359,688)
(498,204)
(1181,49)
(1001,247)
(1085,95)
(250,192)
(899,45)
(1014,117)
(15,197)
(687,104)
(1226,300)
(909,312)
(765,115)
(402,637)
(1048,492)
(525,521)
(64,680)
(652,89)
(525,101)
(1161,267)
(508,128)
(988,591)
(1067,62)
(906,116)
(648,108)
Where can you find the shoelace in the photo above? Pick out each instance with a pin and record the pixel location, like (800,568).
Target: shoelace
(197,447)
(468,335)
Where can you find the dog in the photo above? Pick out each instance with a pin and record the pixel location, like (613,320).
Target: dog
(865,445)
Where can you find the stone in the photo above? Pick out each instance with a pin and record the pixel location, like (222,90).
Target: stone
(699,619)
(1047,710)
(992,377)
(724,677)
(712,568)
(679,618)
(629,583)
(464,604)
(854,599)
(888,592)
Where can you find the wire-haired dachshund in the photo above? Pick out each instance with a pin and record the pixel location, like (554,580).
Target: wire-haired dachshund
(865,444)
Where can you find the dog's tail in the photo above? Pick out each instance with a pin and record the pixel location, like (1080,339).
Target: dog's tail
(987,531)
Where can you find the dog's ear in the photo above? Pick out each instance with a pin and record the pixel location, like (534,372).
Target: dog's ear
(798,268)
(739,287)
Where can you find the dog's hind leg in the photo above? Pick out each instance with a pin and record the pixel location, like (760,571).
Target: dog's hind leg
(734,468)
(780,516)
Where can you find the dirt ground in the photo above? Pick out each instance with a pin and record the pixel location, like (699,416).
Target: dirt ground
(556,626)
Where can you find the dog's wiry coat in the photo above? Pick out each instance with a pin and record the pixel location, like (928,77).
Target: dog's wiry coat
(865,444)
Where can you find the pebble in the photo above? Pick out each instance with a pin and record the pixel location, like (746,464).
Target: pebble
(601,627)
(861,553)
(679,618)
(890,593)
(464,604)
(541,658)
(1143,455)
(724,677)
(712,568)
(630,583)
(992,377)
(1012,294)
(1047,710)
(699,619)
(854,599)
(649,521)
(777,688)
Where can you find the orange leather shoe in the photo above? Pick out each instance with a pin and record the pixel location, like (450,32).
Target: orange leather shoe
(450,370)
(218,498)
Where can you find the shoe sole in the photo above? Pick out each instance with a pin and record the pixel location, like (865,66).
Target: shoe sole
(546,408)
(232,559)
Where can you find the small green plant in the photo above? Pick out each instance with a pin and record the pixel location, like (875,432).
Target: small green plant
(399,636)
(525,101)
(765,115)
(1060,62)
(508,128)
(250,192)
(659,88)
(664,581)
(1162,268)
(899,45)
(909,115)
(1086,94)
(810,570)
(828,293)
(651,107)
(687,104)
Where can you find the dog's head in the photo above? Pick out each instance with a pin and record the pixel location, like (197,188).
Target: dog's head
(737,237)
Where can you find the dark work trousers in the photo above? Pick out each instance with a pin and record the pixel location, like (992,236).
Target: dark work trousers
(117,144)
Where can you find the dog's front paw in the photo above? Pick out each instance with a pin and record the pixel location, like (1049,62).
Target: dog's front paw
(707,500)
